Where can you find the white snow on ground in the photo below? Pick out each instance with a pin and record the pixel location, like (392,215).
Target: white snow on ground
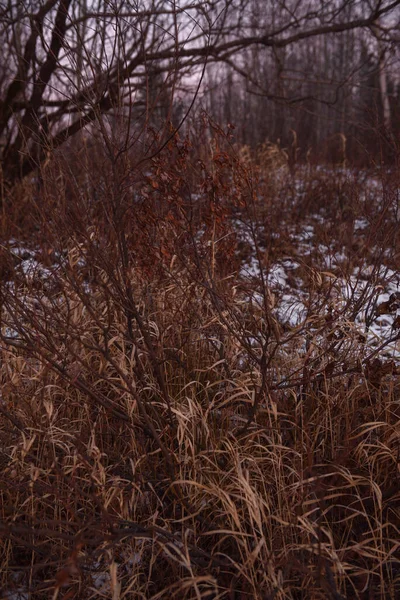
(360,224)
(331,258)
(290,296)
(291,310)
(251,269)
(19,594)
(101,580)
(26,260)
(307,234)
(277,276)
(377,284)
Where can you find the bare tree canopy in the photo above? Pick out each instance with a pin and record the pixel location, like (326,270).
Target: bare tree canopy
(66,63)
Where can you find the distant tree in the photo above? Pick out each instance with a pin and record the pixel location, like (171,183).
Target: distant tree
(316,85)
(66,64)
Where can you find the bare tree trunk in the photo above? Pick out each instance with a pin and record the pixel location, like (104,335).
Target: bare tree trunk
(383,87)
(387,118)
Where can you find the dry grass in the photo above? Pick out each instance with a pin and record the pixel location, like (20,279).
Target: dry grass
(163,434)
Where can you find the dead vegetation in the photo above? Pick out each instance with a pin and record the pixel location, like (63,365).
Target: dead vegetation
(166,432)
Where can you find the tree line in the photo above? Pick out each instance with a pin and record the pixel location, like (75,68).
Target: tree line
(307,73)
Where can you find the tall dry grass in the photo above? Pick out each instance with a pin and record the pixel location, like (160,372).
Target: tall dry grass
(163,432)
